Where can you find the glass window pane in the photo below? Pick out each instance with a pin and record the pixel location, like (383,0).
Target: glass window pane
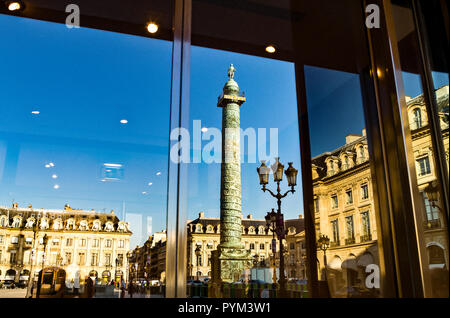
(340,166)
(84,130)
(431,221)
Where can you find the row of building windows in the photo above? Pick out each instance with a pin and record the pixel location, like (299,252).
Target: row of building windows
(348,198)
(69,242)
(366,234)
(81,260)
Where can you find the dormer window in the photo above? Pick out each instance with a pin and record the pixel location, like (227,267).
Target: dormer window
(261,230)
(198,228)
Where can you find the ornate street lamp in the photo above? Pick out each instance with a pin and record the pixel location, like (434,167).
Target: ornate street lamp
(33,252)
(115,273)
(324,243)
(197,254)
(432,193)
(45,241)
(274,220)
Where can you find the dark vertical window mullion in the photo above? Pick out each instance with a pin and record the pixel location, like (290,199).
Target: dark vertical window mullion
(307,186)
(173,168)
(430,101)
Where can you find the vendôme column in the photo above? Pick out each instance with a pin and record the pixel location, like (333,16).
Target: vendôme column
(231,258)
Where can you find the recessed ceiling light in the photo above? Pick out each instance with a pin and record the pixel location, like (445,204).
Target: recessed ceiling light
(56,186)
(54,176)
(124,121)
(144,192)
(35,112)
(14,5)
(150,183)
(158,173)
(270,49)
(152,27)
(204,129)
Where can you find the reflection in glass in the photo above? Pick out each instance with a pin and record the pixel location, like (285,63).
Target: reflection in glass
(340,169)
(84,123)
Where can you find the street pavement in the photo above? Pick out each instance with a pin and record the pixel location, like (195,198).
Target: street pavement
(21,293)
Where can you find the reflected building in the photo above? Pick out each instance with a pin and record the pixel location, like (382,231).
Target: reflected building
(81,242)
(148,262)
(344,207)
(204,237)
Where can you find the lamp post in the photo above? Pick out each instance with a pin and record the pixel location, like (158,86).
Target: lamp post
(274,220)
(197,254)
(44,240)
(324,243)
(136,265)
(115,272)
(255,265)
(432,193)
(33,250)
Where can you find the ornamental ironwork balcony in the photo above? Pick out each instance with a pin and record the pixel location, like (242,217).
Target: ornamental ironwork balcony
(350,240)
(335,244)
(432,224)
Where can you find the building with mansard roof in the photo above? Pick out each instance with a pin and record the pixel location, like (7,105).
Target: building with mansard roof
(344,204)
(204,236)
(82,242)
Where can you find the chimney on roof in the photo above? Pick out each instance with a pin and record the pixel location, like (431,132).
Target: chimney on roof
(30,206)
(249,216)
(15,205)
(67,207)
(201,215)
(351,138)
(300,216)
(364,132)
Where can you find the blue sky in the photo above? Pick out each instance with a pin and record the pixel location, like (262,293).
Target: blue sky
(84,81)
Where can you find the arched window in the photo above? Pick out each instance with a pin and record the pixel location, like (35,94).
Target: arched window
(435,255)
(261,230)
(4,221)
(417,119)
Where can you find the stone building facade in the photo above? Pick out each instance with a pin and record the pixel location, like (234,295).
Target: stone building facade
(148,262)
(343,200)
(81,242)
(204,237)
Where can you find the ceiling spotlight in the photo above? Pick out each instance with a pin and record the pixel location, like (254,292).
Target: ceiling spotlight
(14,5)
(152,27)
(56,186)
(51,164)
(144,192)
(47,165)
(270,49)
(158,173)
(150,183)
(54,176)
(124,121)
(204,129)
(35,112)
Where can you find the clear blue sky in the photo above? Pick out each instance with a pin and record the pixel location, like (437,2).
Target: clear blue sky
(85,81)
